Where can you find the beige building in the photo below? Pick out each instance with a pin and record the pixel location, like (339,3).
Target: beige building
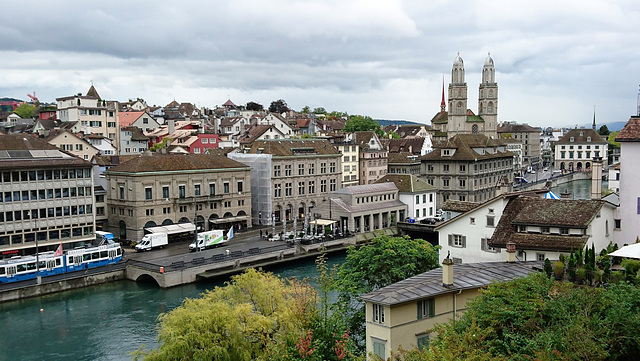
(350,160)
(91,112)
(46,197)
(302,174)
(401,314)
(69,142)
(364,208)
(576,150)
(373,157)
(528,136)
(163,189)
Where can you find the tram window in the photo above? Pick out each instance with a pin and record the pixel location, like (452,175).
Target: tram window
(103,254)
(21,268)
(1,270)
(31,266)
(70,260)
(119,251)
(95,255)
(86,257)
(43,264)
(58,262)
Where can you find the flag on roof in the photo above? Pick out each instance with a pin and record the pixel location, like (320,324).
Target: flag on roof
(550,195)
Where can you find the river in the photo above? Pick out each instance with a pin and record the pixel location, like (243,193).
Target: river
(103,322)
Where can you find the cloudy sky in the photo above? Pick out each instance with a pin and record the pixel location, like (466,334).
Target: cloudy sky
(555,60)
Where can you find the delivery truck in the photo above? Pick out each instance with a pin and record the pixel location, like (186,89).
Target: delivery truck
(208,239)
(151,241)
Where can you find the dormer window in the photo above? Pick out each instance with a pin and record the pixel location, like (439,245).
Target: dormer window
(588,139)
(581,134)
(522,229)
(446,152)
(571,139)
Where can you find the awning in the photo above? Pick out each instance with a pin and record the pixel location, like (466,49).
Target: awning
(172,228)
(551,195)
(631,251)
(228,219)
(323,222)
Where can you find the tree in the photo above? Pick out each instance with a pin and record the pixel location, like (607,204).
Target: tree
(537,318)
(358,123)
(337,115)
(319,110)
(25,111)
(612,140)
(393,135)
(384,261)
(278,106)
(247,319)
(604,130)
(254,106)
(305,110)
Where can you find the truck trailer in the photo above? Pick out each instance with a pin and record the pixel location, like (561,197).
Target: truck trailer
(208,239)
(160,236)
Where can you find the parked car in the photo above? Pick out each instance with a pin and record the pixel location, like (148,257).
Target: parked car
(410,220)
(429,220)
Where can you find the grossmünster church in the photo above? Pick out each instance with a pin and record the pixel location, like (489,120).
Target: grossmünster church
(461,120)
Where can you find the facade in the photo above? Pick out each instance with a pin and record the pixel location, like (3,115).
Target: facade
(163,189)
(576,149)
(403,163)
(514,146)
(629,222)
(528,136)
(364,208)
(91,111)
(141,119)
(418,195)
(373,156)
(47,197)
(469,167)
(303,173)
(400,314)
(132,141)
(461,120)
(203,142)
(350,151)
(614,178)
(69,142)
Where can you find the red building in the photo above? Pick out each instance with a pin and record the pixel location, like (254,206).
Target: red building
(204,142)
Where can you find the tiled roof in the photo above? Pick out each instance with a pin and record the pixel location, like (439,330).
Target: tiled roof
(25,151)
(175,162)
(413,145)
(128,118)
(92,92)
(582,139)
(440,118)
(293,147)
(465,276)
(548,213)
(630,132)
(136,134)
(459,206)
(517,128)
(254,132)
(367,188)
(463,143)
(406,183)
(403,158)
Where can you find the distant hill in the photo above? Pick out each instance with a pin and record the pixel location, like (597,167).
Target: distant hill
(612,126)
(11,100)
(385,122)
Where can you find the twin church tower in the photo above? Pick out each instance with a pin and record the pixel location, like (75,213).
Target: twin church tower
(461,120)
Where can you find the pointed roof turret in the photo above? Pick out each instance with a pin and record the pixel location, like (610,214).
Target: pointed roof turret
(92,92)
(443,105)
(594,118)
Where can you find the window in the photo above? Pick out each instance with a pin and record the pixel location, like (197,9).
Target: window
(472,220)
(288,189)
(196,190)
(457,240)
(463,168)
(121,192)
(240,186)
(323,168)
(430,167)
(148,193)
(182,191)
(323,186)
(346,158)
(463,183)
(522,229)
(445,167)
(445,182)
(616,225)
(165,192)
(417,199)
(312,187)
(300,169)
(276,171)
(379,348)
(490,221)
(426,308)
(212,189)
(287,170)
(564,231)
(378,313)
(277,190)
(545,230)
(540,256)
(332,185)
(484,245)
(225,187)
(312,168)
(332,167)
(300,188)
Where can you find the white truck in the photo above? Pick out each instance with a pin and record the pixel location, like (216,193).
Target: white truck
(151,241)
(208,240)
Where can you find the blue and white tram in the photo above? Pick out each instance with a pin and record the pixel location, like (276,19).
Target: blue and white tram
(22,268)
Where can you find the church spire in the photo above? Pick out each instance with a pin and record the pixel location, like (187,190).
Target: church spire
(594,118)
(443,105)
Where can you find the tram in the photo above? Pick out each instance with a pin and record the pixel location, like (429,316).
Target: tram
(20,268)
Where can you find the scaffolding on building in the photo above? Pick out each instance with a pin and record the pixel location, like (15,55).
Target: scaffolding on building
(261,205)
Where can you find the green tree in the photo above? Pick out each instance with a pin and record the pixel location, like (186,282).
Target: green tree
(337,115)
(305,110)
(604,130)
(254,106)
(612,140)
(393,135)
(384,261)
(319,110)
(278,106)
(358,123)
(247,319)
(25,111)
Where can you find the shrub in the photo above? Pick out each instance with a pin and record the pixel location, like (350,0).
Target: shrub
(617,276)
(580,274)
(558,269)
(547,267)
(631,268)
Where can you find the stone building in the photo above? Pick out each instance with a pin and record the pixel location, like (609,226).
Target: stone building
(528,136)
(373,157)
(576,150)
(163,189)
(469,167)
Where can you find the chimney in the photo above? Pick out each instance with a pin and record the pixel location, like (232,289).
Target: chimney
(511,252)
(172,125)
(596,178)
(447,271)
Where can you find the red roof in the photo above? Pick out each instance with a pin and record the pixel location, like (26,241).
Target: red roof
(127,118)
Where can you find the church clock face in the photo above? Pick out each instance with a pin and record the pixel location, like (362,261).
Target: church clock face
(474,129)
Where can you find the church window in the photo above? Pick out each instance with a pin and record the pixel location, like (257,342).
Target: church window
(490,108)
(459,92)
(490,93)
(474,129)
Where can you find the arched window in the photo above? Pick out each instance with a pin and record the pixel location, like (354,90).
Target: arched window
(490,108)
(459,109)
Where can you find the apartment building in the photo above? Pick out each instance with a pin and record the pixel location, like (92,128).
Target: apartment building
(576,150)
(91,112)
(373,157)
(47,197)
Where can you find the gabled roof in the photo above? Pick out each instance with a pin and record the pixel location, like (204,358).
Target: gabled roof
(580,137)
(517,128)
(402,158)
(459,206)
(464,144)
(545,213)
(175,162)
(631,131)
(92,92)
(407,183)
(128,118)
(136,134)
(255,132)
(229,104)
(466,276)
(413,145)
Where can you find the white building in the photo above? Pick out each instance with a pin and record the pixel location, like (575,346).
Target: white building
(629,222)
(576,150)
(418,195)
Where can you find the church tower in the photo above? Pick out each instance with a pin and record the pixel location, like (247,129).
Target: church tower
(457,99)
(488,98)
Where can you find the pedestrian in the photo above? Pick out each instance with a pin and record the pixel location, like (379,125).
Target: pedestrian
(260,234)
